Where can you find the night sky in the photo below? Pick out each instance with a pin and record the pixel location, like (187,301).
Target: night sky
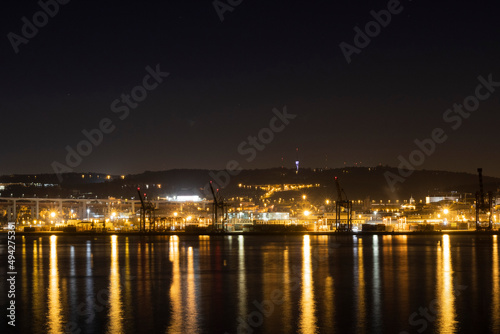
(225,78)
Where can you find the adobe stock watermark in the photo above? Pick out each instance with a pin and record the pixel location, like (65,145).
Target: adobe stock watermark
(120,106)
(372,29)
(454,118)
(250,147)
(29,29)
(222,6)
(425,315)
(266,308)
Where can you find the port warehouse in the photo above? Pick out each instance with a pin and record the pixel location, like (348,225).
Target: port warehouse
(47,214)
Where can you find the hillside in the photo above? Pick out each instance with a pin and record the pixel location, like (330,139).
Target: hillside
(358,183)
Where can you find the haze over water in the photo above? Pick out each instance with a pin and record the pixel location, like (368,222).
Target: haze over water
(271,284)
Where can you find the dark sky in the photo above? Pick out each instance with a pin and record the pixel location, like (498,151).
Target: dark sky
(226,78)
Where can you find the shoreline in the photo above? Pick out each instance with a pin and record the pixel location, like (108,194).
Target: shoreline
(193,233)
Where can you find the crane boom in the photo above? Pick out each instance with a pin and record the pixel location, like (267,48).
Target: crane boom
(481,190)
(142,222)
(339,189)
(343,210)
(140,197)
(213,193)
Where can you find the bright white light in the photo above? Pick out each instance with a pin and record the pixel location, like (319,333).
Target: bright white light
(306,213)
(52,214)
(445,211)
(194,198)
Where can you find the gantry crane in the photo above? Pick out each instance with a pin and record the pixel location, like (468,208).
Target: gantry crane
(342,205)
(218,204)
(146,208)
(483,207)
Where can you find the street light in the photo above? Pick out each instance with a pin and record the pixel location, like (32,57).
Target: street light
(88,214)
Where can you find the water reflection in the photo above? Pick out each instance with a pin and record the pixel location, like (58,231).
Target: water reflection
(37,294)
(115,303)
(359,284)
(403,274)
(287,305)
(495,305)
(127,294)
(192,309)
(205,244)
(307,320)
(386,281)
(24,271)
(54,316)
(89,287)
(376,283)
(175,287)
(329,292)
(72,284)
(446,317)
(242,282)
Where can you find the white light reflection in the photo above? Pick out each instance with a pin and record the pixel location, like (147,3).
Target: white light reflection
(242,281)
(376,283)
(115,303)
(72,282)
(89,288)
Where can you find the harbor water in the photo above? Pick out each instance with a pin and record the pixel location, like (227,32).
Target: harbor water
(254,284)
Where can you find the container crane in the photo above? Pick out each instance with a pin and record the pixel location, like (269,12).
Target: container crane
(483,207)
(219,205)
(215,205)
(342,205)
(146,208)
